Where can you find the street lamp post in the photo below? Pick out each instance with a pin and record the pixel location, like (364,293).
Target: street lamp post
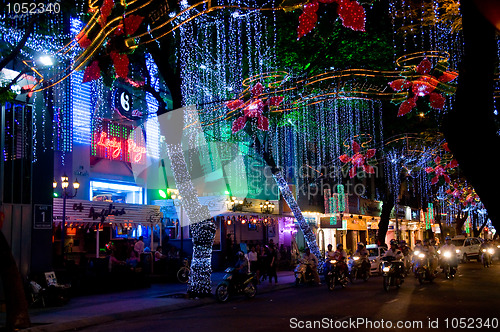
(266,208)
(180,220)
(66,194)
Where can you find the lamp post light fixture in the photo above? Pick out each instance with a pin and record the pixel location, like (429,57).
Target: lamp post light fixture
(267,207)
(234,204)
(66,193)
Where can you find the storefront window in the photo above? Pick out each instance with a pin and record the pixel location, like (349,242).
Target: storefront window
(114,192)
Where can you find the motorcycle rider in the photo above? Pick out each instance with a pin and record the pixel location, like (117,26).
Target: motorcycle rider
(328,256)
(310,258)
(241,268)
(395,252)
(362,253)
(431,255)
(448,246)
(418,246)
(485,245)
(341,256)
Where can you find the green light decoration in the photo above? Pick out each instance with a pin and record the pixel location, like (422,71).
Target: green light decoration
(341,198)
(333,210)
(429,215)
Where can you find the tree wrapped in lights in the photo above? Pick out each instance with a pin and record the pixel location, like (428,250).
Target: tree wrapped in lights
(261,144)
(202,227)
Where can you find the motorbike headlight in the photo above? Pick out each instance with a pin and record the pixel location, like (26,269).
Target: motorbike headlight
(333,261)
(417,252)
(439,251)
(421,255)
(457,251)
(491,251)
(484,250)
(447,254)
(386,268)
(355,258)
(498,246)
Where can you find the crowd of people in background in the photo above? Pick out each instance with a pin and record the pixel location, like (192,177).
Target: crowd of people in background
(263,259)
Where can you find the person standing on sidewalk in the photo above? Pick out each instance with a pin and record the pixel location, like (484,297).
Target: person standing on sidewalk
(139,247)
(253,260)
(271,268)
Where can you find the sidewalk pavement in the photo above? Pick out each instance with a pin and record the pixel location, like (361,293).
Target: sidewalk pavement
(93,310)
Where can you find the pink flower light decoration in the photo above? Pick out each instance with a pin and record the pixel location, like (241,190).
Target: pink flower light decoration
(253,109)
(422,83)
(358,160)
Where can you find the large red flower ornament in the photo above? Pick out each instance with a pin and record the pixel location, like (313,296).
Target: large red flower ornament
(423,81)
(441,170)
(350,12)
(253,109)
(359,160)
(122,28)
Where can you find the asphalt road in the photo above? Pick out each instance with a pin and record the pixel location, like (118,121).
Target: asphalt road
(471,300)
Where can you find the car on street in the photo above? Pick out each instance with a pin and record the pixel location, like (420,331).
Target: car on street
(467,248)
(375,253)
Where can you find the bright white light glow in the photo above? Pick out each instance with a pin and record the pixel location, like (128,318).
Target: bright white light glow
(46,60)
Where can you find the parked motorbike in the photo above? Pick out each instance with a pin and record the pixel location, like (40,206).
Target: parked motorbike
(392,272)
(335,275)
(487,256)
(234,283)
(424,270)
(303,273)
(359,269)
(447,263)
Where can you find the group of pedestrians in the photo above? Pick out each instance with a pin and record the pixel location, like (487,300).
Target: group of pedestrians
(263,262)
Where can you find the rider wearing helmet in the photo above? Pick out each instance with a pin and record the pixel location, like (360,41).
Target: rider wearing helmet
(362,253)
(242,263)
(312,260)
(448,246)
(341,256)
(431,253)
(396,253)
(340,253)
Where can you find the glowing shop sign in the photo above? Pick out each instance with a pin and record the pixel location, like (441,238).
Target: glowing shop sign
(113,148)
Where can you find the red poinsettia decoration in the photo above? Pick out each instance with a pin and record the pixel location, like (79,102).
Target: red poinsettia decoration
(122,28)
(359,160)
(441,170)
(253,109)
(420,83)
(350,12)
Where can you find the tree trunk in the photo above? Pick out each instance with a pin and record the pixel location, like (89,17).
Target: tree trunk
(460,221)
(264,150)
(203,229)
(17,316)
(471,135)
(437,217)
(385,216)
(201,265)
